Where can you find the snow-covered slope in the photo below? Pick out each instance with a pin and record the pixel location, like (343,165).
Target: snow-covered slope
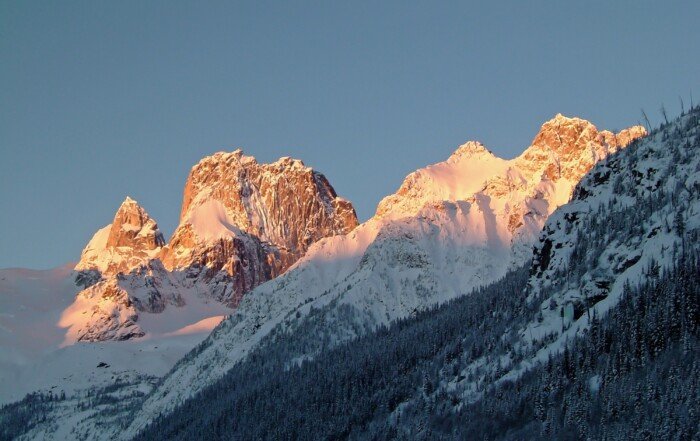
(39,353)
(631,218)
(450,227)
(31,303)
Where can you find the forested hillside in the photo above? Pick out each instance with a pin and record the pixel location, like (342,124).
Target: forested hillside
(633,375)
(337,394)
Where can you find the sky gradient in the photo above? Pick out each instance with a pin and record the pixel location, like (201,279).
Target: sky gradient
(101,100)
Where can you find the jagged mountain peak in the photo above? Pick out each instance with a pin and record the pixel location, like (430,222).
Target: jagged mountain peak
(563,151)
(132,226)
(237,159)
(566,148)
(290,163)
(563,122)
(251,220)
(560,118)
(242,223)
(128,242)
(231,175)
(259,198)
(563,134)
(624,137)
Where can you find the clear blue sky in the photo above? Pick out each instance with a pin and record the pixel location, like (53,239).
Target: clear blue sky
(100,100)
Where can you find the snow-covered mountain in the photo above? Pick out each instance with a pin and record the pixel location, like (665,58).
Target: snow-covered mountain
(242,223)
(633,221)
(155,301)
(598,340)
(451,227)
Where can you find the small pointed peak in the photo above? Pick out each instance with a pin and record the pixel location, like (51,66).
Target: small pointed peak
(622,138)
(471,148)
(563,132)
(239,156)
(129,205)
(131,212)
(129,241)
(629,134)
(237,152)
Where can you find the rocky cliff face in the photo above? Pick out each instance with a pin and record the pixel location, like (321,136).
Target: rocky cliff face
(242,224)
(234,206)
(567,148)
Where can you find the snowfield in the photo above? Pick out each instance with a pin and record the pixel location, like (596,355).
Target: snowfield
(37,356)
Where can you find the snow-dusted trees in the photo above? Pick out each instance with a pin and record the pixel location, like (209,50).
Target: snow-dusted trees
(634,374)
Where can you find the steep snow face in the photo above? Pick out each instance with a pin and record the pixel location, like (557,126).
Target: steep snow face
(458,178)
(128,242)
(450,227)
